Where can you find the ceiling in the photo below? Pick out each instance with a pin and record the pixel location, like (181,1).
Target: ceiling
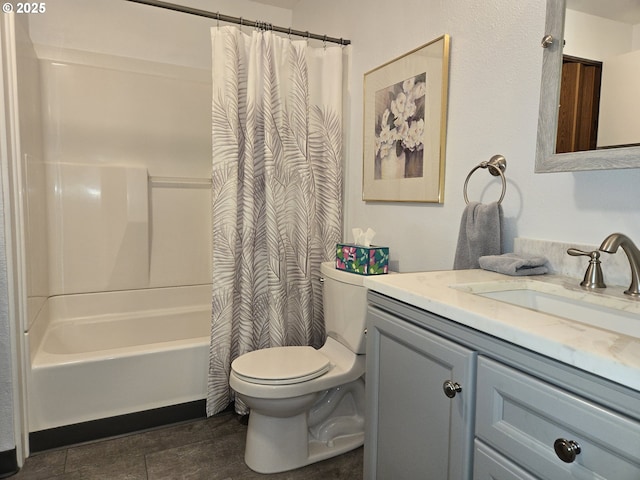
(288,4)
(626,11)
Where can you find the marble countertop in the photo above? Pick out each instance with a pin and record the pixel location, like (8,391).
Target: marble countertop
(446,293)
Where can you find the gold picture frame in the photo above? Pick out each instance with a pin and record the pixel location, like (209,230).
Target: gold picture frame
(405,125)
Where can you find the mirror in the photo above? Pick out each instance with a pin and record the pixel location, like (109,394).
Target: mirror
(547,160)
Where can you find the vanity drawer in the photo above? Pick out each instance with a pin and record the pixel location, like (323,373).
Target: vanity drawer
(490,465)
(522,417)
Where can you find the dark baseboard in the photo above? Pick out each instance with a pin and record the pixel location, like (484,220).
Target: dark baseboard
(8,463)
(109,427)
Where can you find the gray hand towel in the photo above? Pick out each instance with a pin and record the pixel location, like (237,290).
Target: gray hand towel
(480,234)
(514,264)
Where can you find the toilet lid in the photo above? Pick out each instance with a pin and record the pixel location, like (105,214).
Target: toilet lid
(281,365)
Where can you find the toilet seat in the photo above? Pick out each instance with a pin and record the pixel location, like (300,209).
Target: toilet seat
(281,365)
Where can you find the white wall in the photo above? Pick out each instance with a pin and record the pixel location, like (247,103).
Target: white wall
(595,38)
(494,90)
(620,100)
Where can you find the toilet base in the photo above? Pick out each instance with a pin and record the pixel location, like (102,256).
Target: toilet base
(274,444)
(332,426)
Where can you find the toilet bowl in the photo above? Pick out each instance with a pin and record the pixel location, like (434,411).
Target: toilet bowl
(306,404)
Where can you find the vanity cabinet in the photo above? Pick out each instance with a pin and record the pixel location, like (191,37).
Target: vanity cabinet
(418,431)
(518,414)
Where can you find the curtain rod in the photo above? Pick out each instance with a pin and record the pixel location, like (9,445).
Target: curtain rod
(240,21)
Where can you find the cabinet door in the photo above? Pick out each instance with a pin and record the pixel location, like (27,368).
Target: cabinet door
(414,431)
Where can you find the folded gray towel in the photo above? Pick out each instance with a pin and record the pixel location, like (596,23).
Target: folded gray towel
(514,264)
(480,234)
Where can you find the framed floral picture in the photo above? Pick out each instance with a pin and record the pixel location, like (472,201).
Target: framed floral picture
(405,119)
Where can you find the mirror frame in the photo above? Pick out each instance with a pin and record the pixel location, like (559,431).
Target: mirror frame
(546,158)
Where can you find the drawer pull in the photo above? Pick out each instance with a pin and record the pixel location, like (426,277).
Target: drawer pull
(566,450)
(451,388)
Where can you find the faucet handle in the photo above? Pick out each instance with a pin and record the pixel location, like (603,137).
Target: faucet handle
(576,253)
(593,277)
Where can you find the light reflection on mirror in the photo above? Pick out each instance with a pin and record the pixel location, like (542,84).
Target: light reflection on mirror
(599,108)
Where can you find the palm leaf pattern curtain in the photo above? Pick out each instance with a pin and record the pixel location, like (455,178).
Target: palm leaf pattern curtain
(277,194)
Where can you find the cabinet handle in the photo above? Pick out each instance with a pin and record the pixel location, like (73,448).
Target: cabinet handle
(566,450)
(451,388)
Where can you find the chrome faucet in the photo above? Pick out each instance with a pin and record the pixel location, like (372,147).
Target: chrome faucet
(611,244)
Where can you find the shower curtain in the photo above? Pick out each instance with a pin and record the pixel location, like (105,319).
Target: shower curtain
(277,194)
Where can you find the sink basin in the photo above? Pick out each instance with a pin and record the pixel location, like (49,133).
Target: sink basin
(609,313)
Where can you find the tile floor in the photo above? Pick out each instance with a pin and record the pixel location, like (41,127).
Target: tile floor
(208,449)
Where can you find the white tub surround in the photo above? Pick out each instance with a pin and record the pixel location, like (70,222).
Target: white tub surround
(99,228)
(601,352)
(127,177)
(106,354)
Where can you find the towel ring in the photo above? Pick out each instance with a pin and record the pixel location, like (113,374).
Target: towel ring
(496,165)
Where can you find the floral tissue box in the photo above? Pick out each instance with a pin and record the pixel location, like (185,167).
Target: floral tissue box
(371,260)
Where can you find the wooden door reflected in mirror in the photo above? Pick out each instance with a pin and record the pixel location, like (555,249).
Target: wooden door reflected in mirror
(579,105)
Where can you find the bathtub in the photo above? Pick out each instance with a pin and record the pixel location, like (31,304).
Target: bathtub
(100,355)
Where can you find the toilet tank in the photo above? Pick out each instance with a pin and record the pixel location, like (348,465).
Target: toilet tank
(344,300)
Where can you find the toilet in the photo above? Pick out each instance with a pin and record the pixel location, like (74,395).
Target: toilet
(306,404)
